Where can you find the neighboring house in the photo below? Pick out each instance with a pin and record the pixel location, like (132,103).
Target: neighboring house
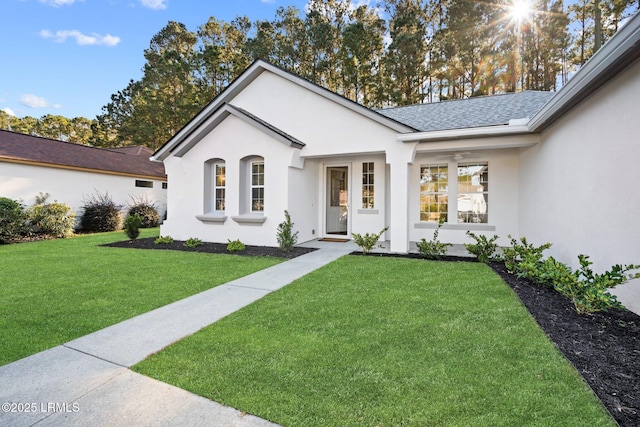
(73,173)
(558,167)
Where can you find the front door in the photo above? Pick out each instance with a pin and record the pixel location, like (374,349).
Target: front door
(337,203)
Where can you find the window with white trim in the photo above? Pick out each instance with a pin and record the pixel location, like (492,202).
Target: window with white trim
(257,186)
(367,186)
(219,186)
(434,195)
(473,193)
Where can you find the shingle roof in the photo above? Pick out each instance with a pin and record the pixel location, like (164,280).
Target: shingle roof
(31,149)
(468,113)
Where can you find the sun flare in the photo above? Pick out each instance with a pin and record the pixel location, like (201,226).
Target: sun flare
(520,10)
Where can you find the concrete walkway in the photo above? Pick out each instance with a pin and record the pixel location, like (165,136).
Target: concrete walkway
(87,381)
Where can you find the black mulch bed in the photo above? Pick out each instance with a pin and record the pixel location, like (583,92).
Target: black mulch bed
(603,347)
(211,248)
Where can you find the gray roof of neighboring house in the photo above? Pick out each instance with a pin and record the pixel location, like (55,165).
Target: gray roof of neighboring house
(471,112)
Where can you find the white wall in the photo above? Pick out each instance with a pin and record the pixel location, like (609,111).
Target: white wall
(232,141)
(579,187)
(24,182)
(326,128)
(302,201)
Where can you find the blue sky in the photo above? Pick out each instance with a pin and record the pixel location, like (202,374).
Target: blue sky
(67,57)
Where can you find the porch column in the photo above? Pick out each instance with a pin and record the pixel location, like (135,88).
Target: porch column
(399,159)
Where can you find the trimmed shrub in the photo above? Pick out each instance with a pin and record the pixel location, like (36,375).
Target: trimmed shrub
(433,249)
(53,219)
(193,242)
(12,221)
(163,240)
(132,226)
(367,241)
(485,249)
(101,213)
(147,211)
(236,246)
(523,258)
(287,239)
(591,291)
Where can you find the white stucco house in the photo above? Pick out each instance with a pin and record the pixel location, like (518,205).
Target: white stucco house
(558,167)
(72,173)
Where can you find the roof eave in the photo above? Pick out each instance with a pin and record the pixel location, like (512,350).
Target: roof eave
(220,115)
(516,128)
(615,55)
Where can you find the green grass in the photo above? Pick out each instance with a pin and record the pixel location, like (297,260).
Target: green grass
(54,291)
(371,341)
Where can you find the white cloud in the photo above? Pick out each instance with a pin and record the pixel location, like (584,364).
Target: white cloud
(57,3)
(9,111)
(82,39)
(34,101)
(268,1)
(155,4)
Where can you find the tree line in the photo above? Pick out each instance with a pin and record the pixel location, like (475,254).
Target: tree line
(399,52)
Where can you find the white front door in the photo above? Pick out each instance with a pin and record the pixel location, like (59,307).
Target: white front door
(337,200)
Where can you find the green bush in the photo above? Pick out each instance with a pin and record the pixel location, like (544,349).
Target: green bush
(523,252)
(590,293)
(101,213)
(193,242)
(163,240)
(367,241)
(287,239)
(52,219)
(12,221)
(147,211)
(235,246)
(485,249)
(433,249)
(132,226)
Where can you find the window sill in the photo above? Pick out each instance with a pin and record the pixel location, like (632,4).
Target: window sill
(212,217)
(462,226)
(368,211)
(249,219)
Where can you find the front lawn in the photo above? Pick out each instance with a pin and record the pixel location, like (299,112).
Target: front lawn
(369,341)
(55,291)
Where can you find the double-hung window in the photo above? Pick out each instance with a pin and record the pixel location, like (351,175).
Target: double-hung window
(367,186)
(219,184)
(473,192)
(257,186)
(434,196)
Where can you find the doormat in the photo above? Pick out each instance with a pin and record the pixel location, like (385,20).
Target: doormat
(333,239)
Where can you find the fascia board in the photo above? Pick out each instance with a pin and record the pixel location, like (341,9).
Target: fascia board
(474,144)
(465,133)
(219,116)
(622,49)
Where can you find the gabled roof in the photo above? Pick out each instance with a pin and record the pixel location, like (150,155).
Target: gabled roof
(471,112)
(225,111)
(244,80)
(27,149)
